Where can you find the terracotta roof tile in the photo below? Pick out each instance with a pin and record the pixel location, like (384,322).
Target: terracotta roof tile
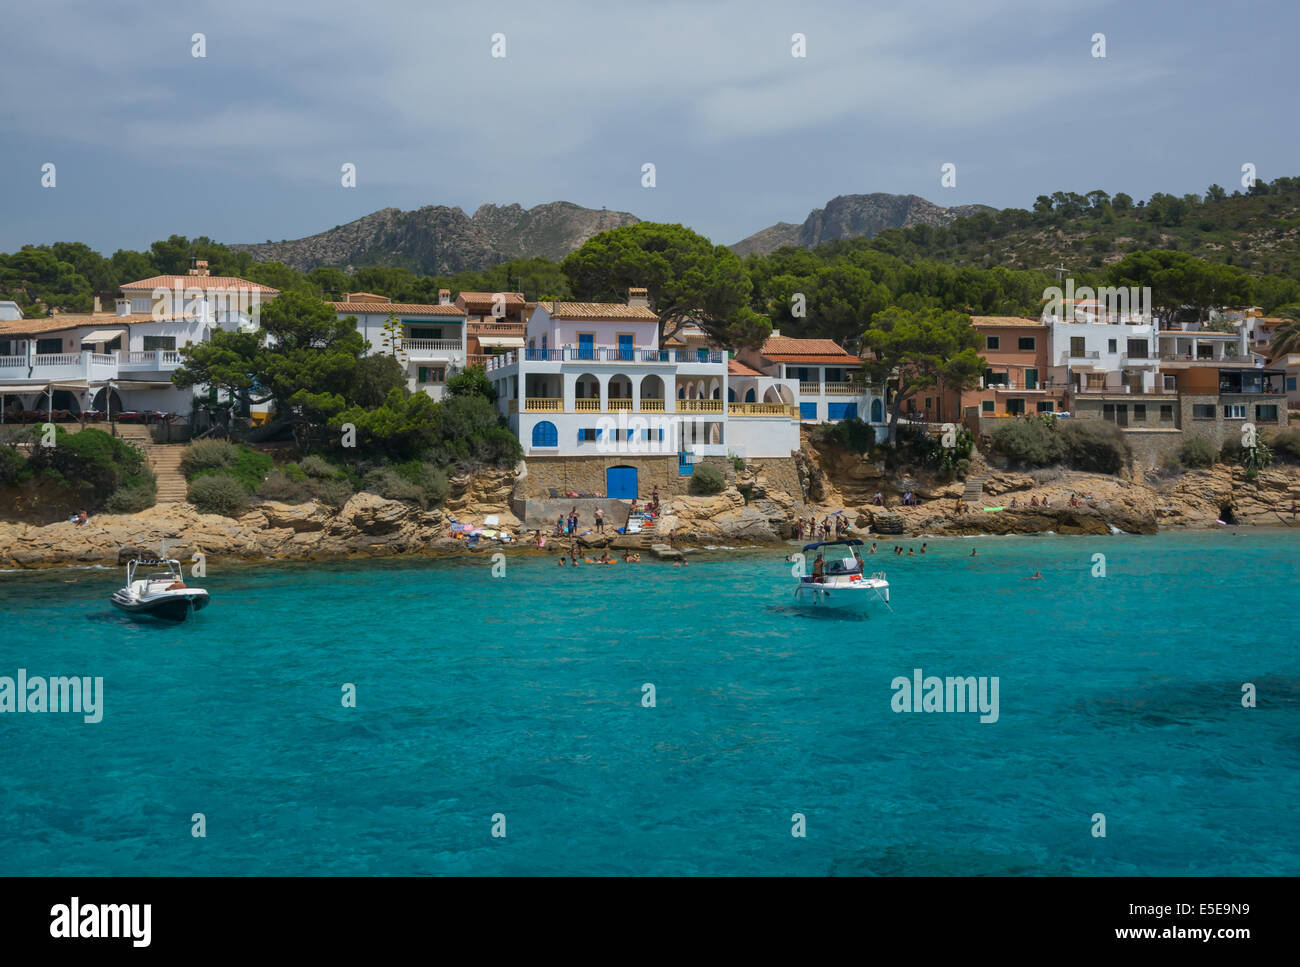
(847,359)
(1006,322)
(223,282)
(400,308)
(735,368)
(789,346)
(64,322)
(483,301)
(600,310)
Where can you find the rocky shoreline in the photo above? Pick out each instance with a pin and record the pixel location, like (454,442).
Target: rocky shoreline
(748,514)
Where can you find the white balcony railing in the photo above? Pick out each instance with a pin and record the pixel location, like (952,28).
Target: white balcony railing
(428,347)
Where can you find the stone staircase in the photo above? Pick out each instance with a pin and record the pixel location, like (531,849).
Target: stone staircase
(974,491)
(164,460)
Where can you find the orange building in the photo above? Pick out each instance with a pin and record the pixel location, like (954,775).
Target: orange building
(1017,375)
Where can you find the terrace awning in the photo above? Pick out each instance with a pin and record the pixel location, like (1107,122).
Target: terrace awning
(101,335)
(24,389)
(503,342)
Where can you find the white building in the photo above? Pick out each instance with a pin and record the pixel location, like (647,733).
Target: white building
(593,380)
(122,361)
(1103,357)
(826,382)
(430,339)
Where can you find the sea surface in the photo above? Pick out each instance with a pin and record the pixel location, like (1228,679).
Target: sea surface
(520,697)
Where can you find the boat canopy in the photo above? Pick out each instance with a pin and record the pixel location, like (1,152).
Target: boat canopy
(851,542)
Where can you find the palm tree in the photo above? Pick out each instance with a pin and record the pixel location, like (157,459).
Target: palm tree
(1286,337)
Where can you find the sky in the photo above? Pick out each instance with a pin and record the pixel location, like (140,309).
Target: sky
(247,143)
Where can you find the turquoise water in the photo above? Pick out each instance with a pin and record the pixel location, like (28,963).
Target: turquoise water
(521,695)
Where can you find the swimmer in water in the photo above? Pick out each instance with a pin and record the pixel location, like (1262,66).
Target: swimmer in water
(972,553)
(1038,576)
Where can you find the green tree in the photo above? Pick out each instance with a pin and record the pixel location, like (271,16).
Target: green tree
(919,350)
(1286,337)
(688,277)
(472,381)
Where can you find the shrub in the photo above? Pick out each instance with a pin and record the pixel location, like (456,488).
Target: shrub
(140,493)
(91,459)
(335,493)
(314,466)
(208,455)
(1030,443)
(1286,443)
(1093,445)
(853,435)
(432,481)
(218,493)
(707,479)
(1231,450)
(13,466)
(294,472)
(388,483)
(280,486)
(1196,454)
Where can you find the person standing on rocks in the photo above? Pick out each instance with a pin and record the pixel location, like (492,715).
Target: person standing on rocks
(600,521)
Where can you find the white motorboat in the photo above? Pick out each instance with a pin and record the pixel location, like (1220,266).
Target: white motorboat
(161,594)
(836,579)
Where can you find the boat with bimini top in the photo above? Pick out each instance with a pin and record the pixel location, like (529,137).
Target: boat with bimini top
(161,594)
(837,579)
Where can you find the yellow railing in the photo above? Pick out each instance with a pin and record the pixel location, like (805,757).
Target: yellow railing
(586,406)
(762,409)
(538,404)
(652,406)
(699,406)
(619,404)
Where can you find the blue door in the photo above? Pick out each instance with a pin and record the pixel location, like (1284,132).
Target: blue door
(807,411)
(877,412)
(841,411)
(586,346)
(625,347)
(620,483)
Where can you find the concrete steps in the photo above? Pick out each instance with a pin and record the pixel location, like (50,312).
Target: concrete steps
(974,491)
(165,461)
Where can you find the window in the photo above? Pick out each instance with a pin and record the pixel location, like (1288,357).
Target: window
(1166,413)
(424,332)
(545,435)
(1290,384)
(1015,407)
(159,342)
(652,433)
(1234,411)
(1031,379)
(1112,345)
(1108,411)
(986,406)
(1077,347)
(1140,412)
(1045,406)
(1171,384)
(1202,411)
(8,347)
(1137,348)
(431,374)
(994,379)
(807,411)
(588,434)
(50,346)
(1027,344)
(992,342)
(1266,414)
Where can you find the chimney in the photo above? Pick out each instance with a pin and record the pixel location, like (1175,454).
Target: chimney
(638,297)
(444,297)
(98,306)
(201,267)
(123,307)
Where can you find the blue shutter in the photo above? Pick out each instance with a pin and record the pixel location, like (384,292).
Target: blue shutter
(807,411)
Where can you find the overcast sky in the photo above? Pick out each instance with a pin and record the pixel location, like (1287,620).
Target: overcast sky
(246,144)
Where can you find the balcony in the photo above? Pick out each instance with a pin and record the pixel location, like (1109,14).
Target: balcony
(810,389)
(699,406)
(431,348)
(763,409)
(568,354)
(148,361)
(850,388)
(541,404)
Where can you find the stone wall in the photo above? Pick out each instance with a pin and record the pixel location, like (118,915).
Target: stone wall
(779,473)
(587,474)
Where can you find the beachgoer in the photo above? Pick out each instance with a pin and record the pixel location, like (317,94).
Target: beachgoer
(561,561)
(1038,576)
(923,548)
(600,520)
(1033,500)
(972,552)
(911,553)
(873,548)
(819,570)
(81,517)
(878,500)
